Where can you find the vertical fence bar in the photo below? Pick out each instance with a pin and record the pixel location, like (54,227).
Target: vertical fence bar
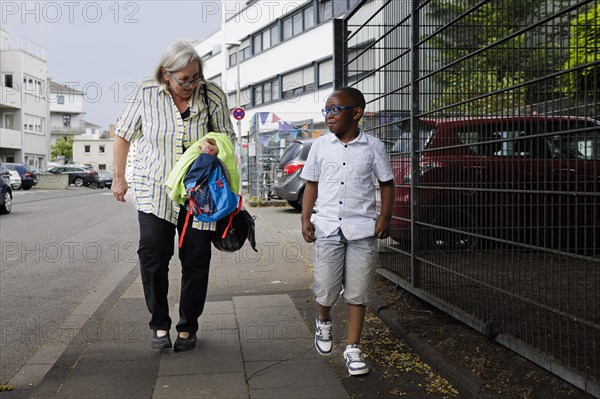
(415,145)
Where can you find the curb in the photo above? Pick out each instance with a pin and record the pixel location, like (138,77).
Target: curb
(467,382)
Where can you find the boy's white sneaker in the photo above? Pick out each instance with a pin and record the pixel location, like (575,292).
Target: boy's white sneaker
(323,338)
(355,361)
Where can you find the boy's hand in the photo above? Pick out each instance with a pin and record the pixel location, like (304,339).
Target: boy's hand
(382,227)
(308,232)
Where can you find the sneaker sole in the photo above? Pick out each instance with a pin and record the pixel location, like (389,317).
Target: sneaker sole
(358,372)
(321,352)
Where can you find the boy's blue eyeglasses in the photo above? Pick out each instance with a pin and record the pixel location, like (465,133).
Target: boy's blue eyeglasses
(184,84)
(335,110)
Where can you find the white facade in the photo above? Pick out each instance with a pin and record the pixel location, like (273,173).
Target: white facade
(93,131)
(96,152)
(286,50)
(24,106)
(66,111)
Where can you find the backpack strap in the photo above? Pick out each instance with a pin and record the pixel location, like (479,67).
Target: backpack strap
(209,124)
(239,208)
(187,219)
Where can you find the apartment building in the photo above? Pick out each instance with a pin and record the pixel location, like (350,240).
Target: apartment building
(66,112)
(24,108)
(278,56)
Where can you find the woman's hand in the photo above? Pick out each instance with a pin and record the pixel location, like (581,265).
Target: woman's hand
(119,189)
(209,146)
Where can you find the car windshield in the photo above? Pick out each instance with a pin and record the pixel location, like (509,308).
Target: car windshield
(403,144)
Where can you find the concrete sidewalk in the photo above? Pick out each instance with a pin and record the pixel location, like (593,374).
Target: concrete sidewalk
(254,337)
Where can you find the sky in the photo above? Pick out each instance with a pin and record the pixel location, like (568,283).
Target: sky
(103,48)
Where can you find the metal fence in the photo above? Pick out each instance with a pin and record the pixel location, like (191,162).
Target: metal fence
(490,112)
(270,134)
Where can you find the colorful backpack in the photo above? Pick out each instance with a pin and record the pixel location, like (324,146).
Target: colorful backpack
(209,198)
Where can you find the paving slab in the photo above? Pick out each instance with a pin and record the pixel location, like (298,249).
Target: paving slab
(223,385)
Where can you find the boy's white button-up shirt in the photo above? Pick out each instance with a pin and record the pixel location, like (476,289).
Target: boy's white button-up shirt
(345,174)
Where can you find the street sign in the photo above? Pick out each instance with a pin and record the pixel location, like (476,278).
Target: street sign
(238,114)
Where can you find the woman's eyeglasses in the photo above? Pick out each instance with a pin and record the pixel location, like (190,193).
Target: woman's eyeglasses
(335,110)
(184,84)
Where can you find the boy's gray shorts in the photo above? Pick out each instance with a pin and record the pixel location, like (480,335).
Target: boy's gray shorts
(351,264)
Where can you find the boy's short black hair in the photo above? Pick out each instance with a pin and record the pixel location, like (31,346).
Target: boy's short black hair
(355,95)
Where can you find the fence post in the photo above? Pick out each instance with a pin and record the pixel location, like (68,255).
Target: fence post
(339,59)
(414,152)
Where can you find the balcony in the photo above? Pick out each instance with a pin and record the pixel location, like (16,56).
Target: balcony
(68,130)
(10,139)
(10,98)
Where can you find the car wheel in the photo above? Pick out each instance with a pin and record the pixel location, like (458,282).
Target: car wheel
(7,206)
(441,239)
(78,182)
(25,187)
(295,205)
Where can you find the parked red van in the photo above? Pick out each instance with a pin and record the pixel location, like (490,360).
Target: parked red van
(529,179)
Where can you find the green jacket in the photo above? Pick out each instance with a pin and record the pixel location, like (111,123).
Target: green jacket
(226,154)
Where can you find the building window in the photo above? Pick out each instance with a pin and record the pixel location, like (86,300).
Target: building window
(60,99)
(266,39)
(298,82)
(33,124)
(245,100)
(309,17)
(288,30)
(325,10)
(32,85)
(9,121)
(275,91)
(274,34)
(258,95)
(87,149)
(232,56)
(325,72)
(8,80)
(245,51)
(101,149)
(297,25)
(267,92)
(67,120)
(258,44)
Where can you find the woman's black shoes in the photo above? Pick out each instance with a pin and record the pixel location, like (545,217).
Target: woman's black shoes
(163,342)
(185,344)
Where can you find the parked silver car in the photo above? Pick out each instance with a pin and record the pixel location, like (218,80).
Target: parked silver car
(289,184)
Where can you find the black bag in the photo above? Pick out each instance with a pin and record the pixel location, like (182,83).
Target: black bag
(231,234)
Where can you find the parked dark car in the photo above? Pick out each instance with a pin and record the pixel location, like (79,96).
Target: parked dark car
(28,177)
(289,184)
(531,179)
(5,193)
(105,178)
(78,175)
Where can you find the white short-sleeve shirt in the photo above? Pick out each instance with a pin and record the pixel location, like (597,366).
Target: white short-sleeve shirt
(345,173)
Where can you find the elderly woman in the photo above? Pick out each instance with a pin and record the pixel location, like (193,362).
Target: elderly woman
(167,115)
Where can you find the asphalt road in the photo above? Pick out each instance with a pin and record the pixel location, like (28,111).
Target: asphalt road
(55,247)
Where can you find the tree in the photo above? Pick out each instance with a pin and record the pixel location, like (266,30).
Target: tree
(488,58)
(584,50)
(62,147)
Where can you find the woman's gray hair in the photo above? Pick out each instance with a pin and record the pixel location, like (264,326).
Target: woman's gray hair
(176,57)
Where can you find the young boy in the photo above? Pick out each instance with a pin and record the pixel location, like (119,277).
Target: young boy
(340,170)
